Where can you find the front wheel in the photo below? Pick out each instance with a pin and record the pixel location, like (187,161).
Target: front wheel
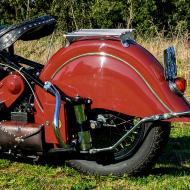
(135,156)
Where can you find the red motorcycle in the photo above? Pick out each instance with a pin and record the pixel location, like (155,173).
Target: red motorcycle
(103,101)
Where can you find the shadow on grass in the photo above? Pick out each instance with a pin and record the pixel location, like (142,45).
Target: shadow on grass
(175,160)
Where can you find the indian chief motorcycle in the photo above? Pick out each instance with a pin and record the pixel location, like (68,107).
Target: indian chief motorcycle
(102,101)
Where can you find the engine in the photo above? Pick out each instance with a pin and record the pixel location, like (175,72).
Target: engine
(18,131)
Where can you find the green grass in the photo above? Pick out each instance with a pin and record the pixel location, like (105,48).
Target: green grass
(172,172)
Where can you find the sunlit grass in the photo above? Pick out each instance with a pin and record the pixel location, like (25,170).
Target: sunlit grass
(172,171)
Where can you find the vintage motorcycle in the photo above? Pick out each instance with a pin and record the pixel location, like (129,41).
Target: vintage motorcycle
(102,101)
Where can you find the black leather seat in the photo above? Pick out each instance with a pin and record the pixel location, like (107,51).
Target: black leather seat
(28,30)
(2,29)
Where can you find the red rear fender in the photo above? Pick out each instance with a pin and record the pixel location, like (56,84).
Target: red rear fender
(128,80)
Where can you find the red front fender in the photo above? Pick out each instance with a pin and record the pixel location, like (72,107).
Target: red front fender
(127,80)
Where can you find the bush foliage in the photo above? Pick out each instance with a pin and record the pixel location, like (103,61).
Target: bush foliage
(147,16)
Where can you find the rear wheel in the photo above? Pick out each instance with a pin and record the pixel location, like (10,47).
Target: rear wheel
(135,155)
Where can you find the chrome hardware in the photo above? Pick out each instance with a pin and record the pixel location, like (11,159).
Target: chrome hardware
(142,121)
(48,86)
(122,34)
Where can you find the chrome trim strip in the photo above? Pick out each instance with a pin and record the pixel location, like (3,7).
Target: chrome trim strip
(119,59)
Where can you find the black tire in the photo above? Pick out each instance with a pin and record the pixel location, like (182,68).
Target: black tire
(137,164)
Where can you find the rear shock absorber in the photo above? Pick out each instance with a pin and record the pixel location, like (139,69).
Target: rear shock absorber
(84,135)
(80,104)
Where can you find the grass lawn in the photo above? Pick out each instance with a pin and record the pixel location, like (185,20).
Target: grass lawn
(172,171)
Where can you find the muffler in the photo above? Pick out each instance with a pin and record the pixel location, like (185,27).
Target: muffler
(21,136)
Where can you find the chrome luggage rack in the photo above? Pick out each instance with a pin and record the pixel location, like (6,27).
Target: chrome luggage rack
(82,34)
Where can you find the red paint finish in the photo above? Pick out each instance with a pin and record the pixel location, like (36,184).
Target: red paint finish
(11,87)
(46,116)
(127,80)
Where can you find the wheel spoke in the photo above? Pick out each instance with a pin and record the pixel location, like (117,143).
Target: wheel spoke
(121,145)
(113,126)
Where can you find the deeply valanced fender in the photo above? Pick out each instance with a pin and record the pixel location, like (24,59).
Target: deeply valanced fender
(123,79)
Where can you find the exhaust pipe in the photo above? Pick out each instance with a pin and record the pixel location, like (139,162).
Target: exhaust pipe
(21,136)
